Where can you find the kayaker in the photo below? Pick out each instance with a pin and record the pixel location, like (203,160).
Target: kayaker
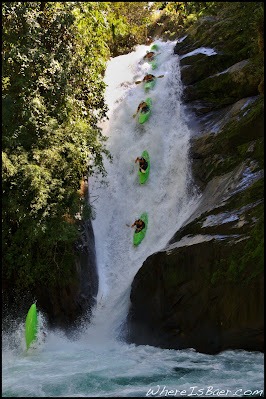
(148,78)
(143,164)
(148,40)
(149,56)
(143,106)
(140,225)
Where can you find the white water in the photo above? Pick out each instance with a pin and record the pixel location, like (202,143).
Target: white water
(164,196)
(98,362)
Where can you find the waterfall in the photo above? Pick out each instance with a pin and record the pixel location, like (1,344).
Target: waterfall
(164,196)
(95,362)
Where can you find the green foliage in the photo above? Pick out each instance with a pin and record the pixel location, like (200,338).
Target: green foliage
(183,10)
(128,25)
(178,16)
(53,62)
(244,23)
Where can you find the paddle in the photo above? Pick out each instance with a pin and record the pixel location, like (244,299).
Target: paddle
(140,81)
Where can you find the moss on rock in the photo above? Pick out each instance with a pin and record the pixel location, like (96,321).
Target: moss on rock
(242,137)
(199,66)
(247,262)
(226,88)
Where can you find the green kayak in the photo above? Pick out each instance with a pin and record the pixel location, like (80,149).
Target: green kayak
(154,47)
(144,176)
(31,325)
(150,84)
(153,63)
(138,237)
(145,115)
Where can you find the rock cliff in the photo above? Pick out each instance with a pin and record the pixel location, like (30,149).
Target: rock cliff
(66,305)
(205,289)
(63,305)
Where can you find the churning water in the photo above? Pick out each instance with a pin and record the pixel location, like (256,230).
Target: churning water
(97,362)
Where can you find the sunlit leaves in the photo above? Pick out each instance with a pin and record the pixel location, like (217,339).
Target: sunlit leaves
(128,23)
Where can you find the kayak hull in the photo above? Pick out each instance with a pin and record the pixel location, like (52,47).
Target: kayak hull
(31,325)
(154,47)
(138,237)
(153,63)
(144,176)
(144,117)
(149,85)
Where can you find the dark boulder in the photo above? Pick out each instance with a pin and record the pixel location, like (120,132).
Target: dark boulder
(176,305)
(197,67)
(65,305)
(225,88)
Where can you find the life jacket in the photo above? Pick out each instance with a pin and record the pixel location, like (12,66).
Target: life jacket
(143,163)
(149,78)
(142,105)
(140,224)
(145,109)
(151,54)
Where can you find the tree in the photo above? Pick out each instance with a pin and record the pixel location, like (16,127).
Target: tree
(128,21)
(53,61)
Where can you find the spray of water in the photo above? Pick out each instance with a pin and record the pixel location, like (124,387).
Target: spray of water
(14,342)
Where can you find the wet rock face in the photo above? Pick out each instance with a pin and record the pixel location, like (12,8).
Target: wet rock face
(171,309)
(225,88)
(64,306)
(216,66)
(69,302)
(205,289)
(197,67)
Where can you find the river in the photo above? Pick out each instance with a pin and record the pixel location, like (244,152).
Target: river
(96,360)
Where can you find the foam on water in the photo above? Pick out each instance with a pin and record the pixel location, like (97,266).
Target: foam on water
(77,369)
(94,362)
